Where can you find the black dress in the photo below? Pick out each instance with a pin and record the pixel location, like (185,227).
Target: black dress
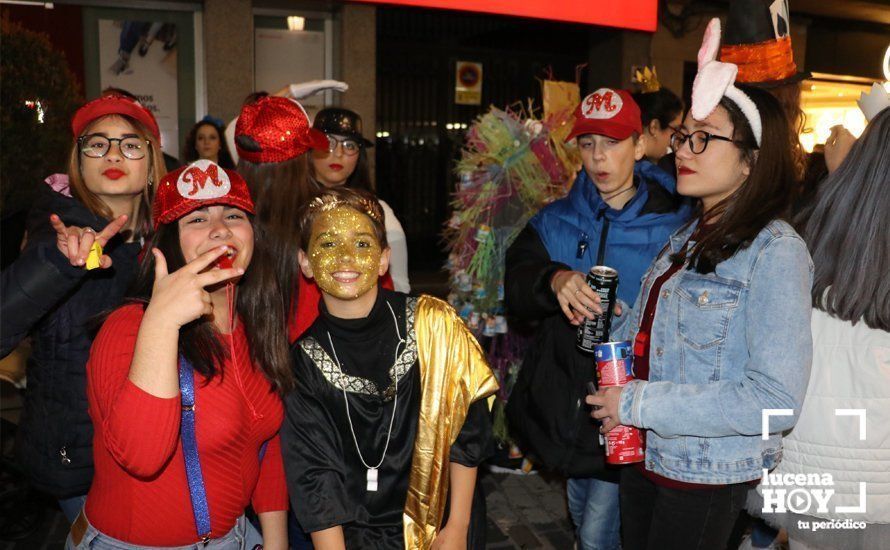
(326,478)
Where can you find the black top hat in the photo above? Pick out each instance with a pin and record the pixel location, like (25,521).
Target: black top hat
(341,122)
(757,38)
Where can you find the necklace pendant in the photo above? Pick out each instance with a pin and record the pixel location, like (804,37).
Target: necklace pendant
(372,479)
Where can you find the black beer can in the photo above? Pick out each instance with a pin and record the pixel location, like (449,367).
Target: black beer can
(604,281)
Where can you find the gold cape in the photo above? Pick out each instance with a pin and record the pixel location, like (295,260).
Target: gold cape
(453,375)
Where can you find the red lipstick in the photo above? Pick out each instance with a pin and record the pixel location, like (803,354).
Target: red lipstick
(683,171)
(114,174)
(335,167)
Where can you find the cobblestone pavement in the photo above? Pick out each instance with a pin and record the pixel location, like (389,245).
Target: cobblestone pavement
(527,512)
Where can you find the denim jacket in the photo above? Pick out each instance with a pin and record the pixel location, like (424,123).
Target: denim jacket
(723,347)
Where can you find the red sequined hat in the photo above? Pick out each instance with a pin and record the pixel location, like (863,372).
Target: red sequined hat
(607,112)
(201,183)
(275,129)
(114,104)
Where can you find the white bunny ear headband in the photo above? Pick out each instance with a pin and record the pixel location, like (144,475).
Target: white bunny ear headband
(716,80)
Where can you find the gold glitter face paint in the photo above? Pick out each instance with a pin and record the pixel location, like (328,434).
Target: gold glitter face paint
(344,253)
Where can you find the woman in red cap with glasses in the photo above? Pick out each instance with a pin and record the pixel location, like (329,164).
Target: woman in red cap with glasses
(182,384)
(80,257)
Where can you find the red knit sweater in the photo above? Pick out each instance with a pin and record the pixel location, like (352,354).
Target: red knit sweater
(140,493)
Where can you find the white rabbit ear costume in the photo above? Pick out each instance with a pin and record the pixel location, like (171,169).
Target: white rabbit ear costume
(716,80)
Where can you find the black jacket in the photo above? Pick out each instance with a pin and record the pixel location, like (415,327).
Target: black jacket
(546,408)
(57,304)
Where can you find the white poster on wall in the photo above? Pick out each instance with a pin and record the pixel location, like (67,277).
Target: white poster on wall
(286,57)
(140,57)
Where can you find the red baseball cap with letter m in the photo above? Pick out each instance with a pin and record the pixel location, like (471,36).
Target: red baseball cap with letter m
(607,112)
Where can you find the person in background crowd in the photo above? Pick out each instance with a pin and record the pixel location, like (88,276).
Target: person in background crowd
(181,383)
(81,255)
(346,163)
(848,234)
(389,420)
(758,41)
(205,141)
(662,113)
(277,171)
(620,212)
(720,326)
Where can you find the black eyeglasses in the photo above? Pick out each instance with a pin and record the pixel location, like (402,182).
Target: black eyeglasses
(698,140)
(350,146)
(97,146)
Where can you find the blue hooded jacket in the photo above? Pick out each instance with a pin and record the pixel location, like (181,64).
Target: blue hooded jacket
(572,228)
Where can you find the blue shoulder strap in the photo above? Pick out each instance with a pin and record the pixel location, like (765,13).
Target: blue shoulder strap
(190,450)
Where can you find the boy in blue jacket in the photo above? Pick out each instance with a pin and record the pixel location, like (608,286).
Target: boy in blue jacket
(620,212)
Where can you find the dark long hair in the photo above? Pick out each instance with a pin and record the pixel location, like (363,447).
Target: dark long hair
(767,193)
(279,190)
(788,96)
(264,322)
(848,232)
(190,149)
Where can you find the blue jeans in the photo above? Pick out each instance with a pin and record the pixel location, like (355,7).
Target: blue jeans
(241,537)
(72,506)
(593,504)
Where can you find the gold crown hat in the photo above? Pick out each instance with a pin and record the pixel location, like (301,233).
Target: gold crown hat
(326,203)
(647,79)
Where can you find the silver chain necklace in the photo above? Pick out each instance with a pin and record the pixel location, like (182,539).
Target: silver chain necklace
(372,470)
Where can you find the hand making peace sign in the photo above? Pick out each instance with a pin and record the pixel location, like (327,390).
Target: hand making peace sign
(75,242)
(179,297)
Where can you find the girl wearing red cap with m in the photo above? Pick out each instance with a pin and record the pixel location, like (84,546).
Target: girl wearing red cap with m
(64,277)
(181,384)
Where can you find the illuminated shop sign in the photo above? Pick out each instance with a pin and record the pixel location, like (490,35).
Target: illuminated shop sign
(638,15)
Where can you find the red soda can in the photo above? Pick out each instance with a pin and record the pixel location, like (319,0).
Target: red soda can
(614,368)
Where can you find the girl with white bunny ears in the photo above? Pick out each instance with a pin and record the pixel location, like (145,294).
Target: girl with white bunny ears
(721,327)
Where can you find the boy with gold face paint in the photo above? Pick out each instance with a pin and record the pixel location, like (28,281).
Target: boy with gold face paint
(389,420)
(346,257)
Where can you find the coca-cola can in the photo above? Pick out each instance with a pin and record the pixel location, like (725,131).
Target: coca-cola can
(604,281)
(624,445)
(614,368)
